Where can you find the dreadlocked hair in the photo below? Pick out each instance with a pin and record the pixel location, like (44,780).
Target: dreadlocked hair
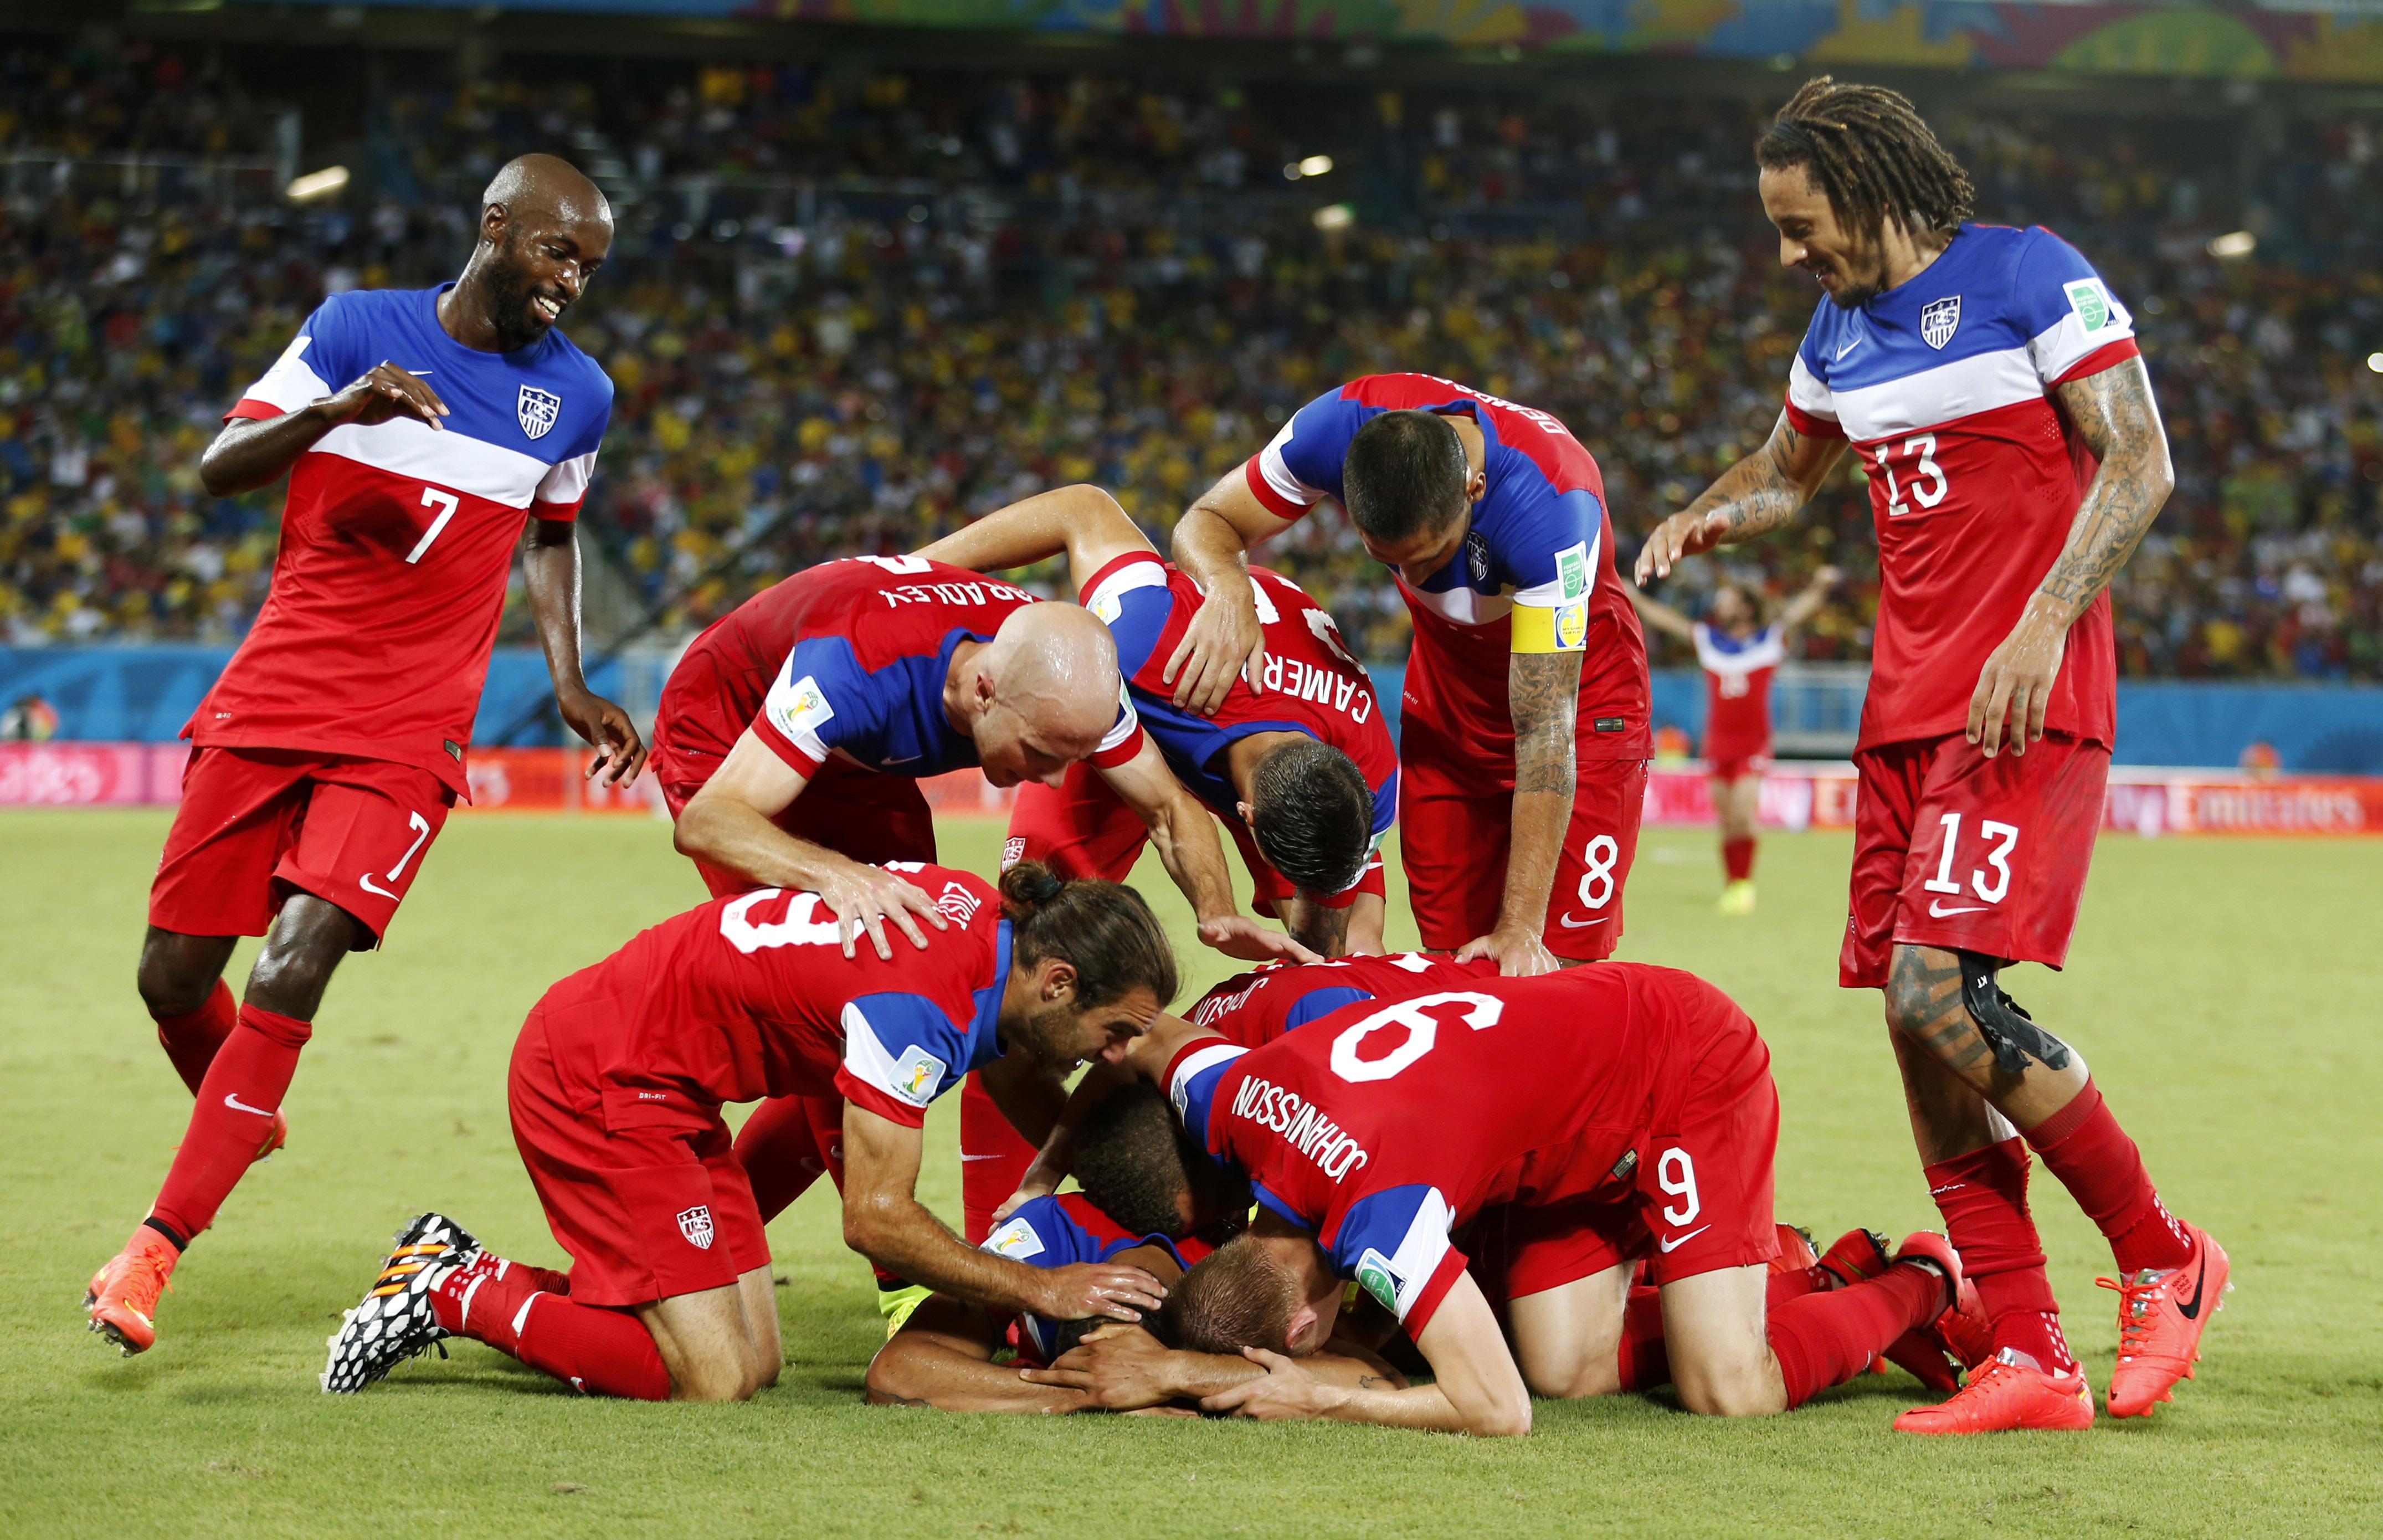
(1871,154)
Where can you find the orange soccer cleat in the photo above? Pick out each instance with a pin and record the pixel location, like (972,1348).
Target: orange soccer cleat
(1795,1252)
(122,1296)
(2160,1319)
(2004,1395)
(275,1138)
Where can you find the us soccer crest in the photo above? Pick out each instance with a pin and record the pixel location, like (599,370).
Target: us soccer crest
(1939,319)
(538,410)
(1476,555)
(696,1225)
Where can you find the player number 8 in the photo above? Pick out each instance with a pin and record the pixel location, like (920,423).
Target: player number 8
(1597,884)
(1676,1174)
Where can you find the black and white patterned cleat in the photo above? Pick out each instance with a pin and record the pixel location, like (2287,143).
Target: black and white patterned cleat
(393,1322)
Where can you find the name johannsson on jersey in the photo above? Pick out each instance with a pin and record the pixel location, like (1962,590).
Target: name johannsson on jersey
(1335,1151)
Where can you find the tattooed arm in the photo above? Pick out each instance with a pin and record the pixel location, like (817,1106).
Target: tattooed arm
(1754,496)
(1543,693)
(2115,415)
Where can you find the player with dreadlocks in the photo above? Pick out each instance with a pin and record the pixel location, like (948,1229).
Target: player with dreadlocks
(1992,387)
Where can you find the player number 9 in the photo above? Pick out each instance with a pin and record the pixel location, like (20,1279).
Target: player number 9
(1682,1185)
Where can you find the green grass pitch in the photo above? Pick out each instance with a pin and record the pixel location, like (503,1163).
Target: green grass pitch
(2227,993)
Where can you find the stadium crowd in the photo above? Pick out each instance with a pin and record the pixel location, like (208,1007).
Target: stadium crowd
(846,314)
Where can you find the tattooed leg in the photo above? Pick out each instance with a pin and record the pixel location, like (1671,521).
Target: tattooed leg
(1926,1007)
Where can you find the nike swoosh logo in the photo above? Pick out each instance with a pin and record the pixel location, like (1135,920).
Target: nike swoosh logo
(1571,924)
(1677,1242)
(1937,910)
(2191,1308)
(966,1157)
(368,885)
(236,1105)
(1850,347)
(904,761)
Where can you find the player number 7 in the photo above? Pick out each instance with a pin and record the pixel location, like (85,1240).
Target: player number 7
(443,502)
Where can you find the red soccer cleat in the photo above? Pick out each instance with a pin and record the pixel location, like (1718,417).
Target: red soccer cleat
(2160,1318)
(1855,1255)
(1795,1252)
(2004,1396)
(275,1138)
(122,1296)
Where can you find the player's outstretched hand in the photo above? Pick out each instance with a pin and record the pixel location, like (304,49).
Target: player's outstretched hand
(1519,954)
(1680,536)
(608,728)
(864,898)
(1084,1289)
(1223,643)
(2016,685)
(1038,1182)
(1115,1368)
(387,392)
(1242,937)
(1285,1390)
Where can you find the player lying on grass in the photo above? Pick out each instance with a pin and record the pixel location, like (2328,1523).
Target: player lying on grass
(1302,771)
(1738,656)
(1149,1201)
(616,1087)
(1991,386)
(1612,1114)
(323,760)
(1297,763)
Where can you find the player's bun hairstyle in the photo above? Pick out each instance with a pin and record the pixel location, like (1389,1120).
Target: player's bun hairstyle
(1133,1162)
(1404,476)
(1871,153)
(1102,930)
(1311,815)
(1235,1297)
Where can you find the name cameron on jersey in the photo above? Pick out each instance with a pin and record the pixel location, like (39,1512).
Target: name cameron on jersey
(1303,680)
(1301,1124)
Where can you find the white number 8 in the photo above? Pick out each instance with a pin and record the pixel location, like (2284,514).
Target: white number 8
(1684,1185)
(1602,855)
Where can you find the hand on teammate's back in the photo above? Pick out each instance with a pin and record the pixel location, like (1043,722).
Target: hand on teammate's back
(385,392)
(1223,643)
(1084,1289)
(865,897)
(1240,937)
(1681,534)
(1519,953)
(608,728)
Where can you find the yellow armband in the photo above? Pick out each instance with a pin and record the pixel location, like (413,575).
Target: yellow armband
(1562,629)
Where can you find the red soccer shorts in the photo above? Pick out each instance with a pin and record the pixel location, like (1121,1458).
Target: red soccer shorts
(1955,850)
(1455,837)
(1737,767)
(870,818)
(257,824)
(1698,1199)
(648,1201)
(1083,829)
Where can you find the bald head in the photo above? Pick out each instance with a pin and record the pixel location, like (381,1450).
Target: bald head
(544,230)
(1046,693)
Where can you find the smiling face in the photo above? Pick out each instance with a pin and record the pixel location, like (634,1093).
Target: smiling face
(1850,266)
(537,261)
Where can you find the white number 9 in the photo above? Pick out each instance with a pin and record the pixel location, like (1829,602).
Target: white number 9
(1682,1185)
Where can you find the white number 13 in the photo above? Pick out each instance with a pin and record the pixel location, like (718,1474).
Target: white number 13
(1927,489)
(445,503)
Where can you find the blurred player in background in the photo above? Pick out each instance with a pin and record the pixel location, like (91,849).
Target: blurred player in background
(1993,387)
(421,431)
(1523,737)
(1738,659)
(616,1087)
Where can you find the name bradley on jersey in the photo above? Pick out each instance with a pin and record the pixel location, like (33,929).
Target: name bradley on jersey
(1301,1125)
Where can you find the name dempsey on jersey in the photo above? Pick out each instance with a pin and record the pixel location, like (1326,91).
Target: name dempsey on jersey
(1301,1125)
(1305,681)
(950,593)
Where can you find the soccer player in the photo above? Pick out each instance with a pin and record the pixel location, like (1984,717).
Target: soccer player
(421,431)
(1607,1114)
(1523,737)
(1738,659)
(1302,769)
(1991,384)
(616,1087)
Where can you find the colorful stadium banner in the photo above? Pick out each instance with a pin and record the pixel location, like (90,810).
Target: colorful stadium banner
(1794,797)
(2339,41)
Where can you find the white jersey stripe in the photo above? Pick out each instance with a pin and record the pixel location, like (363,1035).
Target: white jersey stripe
(447,458)
(292,382)
(1807,394)
(1277,471)
(1932,398)
(1768,651)
(567,483)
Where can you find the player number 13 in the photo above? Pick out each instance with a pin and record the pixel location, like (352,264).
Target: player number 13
(1928,486)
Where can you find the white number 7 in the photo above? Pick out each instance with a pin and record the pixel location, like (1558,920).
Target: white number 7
(445,503)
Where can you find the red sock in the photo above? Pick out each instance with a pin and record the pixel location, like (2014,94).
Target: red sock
(1825,1339)
(241,1093)
(2084,1146)
(1641,1357)
(787,1144)
(191,1040)
(1982,1196)
(602,1352)
(1737,859)
(993,1158)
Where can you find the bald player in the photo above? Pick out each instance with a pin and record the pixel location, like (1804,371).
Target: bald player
(422,431)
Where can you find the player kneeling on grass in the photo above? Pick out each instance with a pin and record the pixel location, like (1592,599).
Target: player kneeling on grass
(1150,1201)
(616,1087)
(1611,1114)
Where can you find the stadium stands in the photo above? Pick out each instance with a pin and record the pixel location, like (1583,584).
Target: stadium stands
(848,312)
